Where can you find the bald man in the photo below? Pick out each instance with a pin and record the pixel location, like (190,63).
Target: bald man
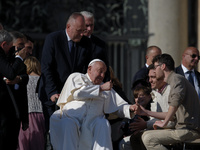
(151,52)
(64,52)
(190,59)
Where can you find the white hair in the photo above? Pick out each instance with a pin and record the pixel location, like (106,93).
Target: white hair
(5,36)
(87,14)
(95,60)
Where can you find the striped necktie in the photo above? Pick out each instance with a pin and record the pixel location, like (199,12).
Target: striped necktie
(190,78)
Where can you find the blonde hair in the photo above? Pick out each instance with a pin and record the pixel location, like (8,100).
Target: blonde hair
(33,65)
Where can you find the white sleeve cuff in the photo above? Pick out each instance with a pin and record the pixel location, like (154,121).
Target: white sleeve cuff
(17,56)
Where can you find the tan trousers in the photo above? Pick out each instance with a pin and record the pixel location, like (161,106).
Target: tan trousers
(156,139)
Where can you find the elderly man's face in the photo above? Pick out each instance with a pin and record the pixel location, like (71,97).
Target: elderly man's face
(190,58)
(7,47)
(76,29)
(89,22)
(97,72)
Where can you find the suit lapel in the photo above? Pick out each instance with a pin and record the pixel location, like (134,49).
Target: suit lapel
(197,77)
(180,71)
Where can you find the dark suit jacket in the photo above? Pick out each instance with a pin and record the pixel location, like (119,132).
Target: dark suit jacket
(56,65)
(20,94)
(9,123)
(179,70)
(141,74)
(99,50)
(10,72)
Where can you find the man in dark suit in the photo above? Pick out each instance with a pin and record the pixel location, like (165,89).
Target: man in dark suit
(59,60)
(190,59)
(9,110)
(151,52)
(98,46)
(19,89)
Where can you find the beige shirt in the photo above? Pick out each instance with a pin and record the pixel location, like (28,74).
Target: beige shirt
(184,96)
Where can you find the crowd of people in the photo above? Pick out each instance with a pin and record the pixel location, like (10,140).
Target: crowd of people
(73,101)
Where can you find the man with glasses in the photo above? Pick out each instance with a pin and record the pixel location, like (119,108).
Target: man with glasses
(64,52)
(190,59)
(183,103)
(18,87)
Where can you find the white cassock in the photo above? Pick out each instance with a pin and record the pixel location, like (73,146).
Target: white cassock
(80,123)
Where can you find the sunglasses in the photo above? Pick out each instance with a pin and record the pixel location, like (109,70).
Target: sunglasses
(194,56)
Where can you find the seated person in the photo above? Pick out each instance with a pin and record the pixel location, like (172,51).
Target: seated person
(80,122)
(183,103)
(142,95)
(160,92)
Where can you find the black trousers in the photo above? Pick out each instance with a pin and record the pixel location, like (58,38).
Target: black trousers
(9,131)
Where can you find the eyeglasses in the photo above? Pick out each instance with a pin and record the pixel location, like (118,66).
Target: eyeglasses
(81,31)
(155,66)
(194,56)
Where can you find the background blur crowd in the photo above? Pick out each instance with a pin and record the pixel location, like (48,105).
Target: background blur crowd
(166,98)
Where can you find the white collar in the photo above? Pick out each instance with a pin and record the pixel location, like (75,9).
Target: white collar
(185,70)
(68,38)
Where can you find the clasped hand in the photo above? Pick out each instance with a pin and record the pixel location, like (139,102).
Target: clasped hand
(138,109)
(106,86)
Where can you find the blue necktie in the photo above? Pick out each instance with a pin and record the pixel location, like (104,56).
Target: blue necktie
(71,49)
(71,45)
(190,78)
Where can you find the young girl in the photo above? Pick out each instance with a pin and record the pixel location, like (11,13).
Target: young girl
(33,137)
